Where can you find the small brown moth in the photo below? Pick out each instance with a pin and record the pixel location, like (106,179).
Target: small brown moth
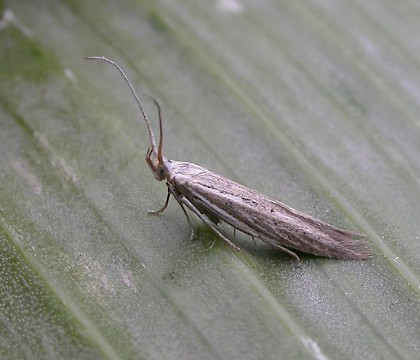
(214,198)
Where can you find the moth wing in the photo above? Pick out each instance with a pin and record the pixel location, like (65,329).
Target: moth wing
(261,217)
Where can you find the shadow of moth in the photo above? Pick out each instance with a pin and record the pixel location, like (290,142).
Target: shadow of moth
(213,198)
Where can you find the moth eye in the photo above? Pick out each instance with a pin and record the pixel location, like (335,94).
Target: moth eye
(161,172)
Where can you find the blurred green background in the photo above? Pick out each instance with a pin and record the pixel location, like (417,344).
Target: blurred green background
(312,102)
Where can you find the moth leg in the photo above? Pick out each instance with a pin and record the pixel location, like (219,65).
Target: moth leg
(281,248)
(177,198)
(227,218)
(157,212)
(190,206)
(253,239)
(188,219)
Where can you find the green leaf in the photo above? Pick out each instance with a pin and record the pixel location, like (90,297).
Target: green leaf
(314,103)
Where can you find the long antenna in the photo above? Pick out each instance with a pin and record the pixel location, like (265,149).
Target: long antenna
(160,145)
(157,153)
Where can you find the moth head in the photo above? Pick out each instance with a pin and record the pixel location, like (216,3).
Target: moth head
(159,169)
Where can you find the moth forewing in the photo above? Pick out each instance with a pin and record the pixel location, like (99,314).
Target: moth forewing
(261,217)
(213,198)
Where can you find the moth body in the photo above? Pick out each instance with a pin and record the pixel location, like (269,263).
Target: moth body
(255,214)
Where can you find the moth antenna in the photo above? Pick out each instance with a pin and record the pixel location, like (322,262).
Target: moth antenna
(160,145)
(149,128)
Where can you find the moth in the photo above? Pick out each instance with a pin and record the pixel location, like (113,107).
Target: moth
(214,199)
